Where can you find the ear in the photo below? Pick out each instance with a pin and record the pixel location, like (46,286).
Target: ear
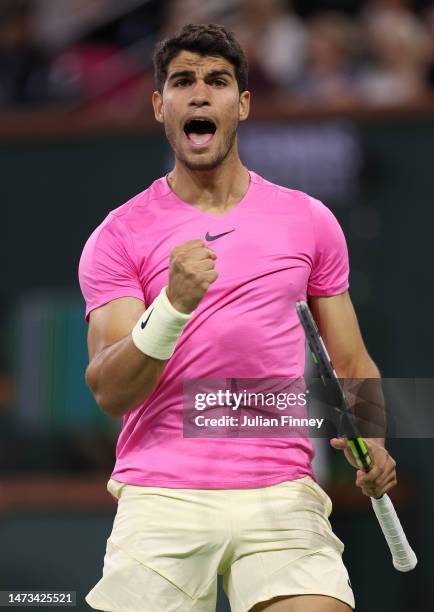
(157,103)
(244,108)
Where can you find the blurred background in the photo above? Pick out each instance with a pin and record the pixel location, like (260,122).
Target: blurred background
(343,108)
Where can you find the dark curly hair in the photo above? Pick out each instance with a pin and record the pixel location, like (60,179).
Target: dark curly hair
(205,39)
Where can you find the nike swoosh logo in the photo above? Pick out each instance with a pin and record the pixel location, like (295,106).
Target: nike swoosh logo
(210,238)
(143,325)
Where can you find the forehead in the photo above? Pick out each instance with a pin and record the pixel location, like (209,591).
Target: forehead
(201,64)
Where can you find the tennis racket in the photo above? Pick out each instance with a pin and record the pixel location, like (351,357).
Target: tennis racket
(404,558)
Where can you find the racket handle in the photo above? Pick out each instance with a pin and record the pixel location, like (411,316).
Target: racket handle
(404,558)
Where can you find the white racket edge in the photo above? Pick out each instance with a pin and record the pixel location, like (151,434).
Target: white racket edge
(404,558)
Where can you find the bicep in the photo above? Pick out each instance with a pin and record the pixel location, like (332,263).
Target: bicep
(112,322)
(338,325)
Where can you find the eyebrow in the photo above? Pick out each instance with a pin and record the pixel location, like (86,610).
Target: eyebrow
(190,74)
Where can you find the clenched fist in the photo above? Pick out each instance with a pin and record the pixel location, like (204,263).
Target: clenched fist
(191,272)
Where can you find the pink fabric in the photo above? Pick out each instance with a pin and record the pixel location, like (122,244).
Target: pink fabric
(285,246)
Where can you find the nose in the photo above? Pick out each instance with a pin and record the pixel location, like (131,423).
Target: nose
(200,94)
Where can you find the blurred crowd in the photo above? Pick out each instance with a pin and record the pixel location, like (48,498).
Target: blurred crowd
(97,53)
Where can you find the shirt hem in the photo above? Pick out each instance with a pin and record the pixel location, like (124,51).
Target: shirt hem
(113,296)
(328,292)
(239,484)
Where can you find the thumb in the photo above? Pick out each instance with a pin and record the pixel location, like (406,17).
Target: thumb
(338,443)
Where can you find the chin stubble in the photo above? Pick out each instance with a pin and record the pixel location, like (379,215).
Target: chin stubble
(219,158)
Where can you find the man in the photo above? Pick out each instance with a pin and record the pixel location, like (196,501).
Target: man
(197,277)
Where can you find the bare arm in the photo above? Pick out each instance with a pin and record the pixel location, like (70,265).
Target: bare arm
(338,326)
(337,323)
(119,375)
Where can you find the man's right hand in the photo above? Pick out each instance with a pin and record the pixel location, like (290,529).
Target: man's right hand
(191,272)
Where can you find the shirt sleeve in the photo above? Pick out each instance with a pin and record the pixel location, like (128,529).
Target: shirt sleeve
(330,269)
(106,269)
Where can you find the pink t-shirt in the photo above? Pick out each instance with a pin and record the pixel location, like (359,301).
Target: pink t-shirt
(283,245)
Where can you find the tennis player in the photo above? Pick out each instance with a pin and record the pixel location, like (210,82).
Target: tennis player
(197,277)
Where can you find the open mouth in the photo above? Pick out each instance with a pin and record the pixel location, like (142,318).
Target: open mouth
(200,131)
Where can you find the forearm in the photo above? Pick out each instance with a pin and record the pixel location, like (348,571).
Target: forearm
(121,377)
(361,380)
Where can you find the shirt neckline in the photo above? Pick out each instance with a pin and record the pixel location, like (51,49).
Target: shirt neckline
(241,204)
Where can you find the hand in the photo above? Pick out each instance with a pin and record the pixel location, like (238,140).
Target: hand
(191,272)
(382,475)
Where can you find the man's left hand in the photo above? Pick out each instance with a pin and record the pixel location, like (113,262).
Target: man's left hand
(382,475)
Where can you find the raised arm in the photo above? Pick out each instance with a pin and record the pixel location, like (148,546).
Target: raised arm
(119,375)
(128,351)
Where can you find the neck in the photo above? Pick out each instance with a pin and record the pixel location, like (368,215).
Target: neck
(217,190)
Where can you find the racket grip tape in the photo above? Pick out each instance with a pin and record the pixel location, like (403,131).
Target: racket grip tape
(404,558)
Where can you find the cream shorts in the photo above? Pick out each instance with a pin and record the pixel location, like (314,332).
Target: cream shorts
(168,545)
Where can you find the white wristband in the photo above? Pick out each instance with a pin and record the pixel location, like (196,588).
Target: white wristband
(158,329)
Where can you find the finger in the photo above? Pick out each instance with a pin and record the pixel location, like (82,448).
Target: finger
(375,489)
(370,491)
(368,478)
(199,253)
(210,277)
(188,265)
(195,254)
(380,456)
(203,265)
(392,479)
(388,475)
(342,445)
(385,488)
(195,269)
(381,473)
(339,443)
(379,491)
(186,246)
